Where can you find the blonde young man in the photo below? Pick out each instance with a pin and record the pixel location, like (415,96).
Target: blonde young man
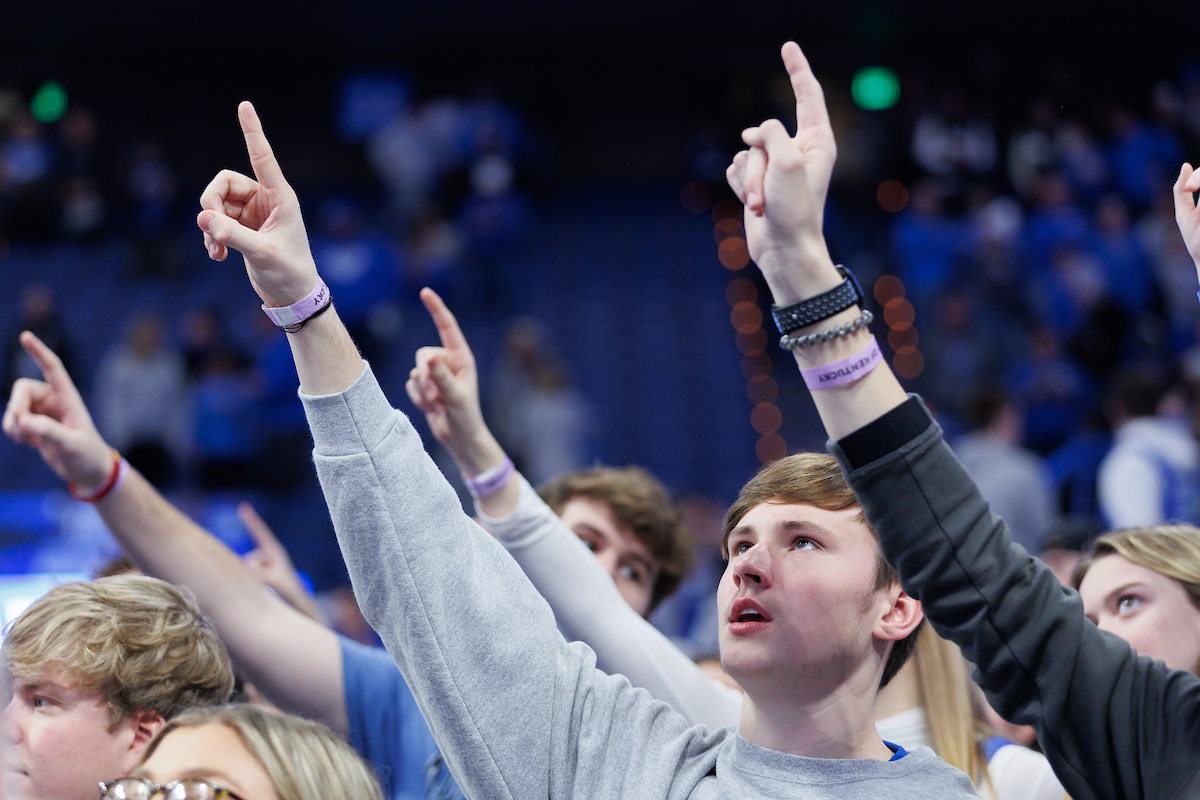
(518,711)
(96,669)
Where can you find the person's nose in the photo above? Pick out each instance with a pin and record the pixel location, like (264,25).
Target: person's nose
(753,567)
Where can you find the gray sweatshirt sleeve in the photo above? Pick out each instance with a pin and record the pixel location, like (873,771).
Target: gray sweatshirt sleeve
(516,710)
(1111,723)
(590,609)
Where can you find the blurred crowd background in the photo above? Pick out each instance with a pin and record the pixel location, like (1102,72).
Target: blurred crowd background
(1002,193)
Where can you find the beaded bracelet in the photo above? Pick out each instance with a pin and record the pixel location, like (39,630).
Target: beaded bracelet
(810,339)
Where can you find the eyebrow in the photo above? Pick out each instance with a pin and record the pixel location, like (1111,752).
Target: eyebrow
(1125,587)
(794,525)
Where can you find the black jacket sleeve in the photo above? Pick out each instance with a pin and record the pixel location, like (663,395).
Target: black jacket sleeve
(1114,725)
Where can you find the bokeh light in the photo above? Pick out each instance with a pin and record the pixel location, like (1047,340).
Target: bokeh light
(762,389)
(756,365)
(771,447)
(887,287)
(898,313)
(751,344)
(726,209)
(746,318)
(766,418)
(732,253)
(909,364)
(729,225)
(696,197)
(49,103)
(740,290)
(892,196)
(899,338)
(875,88)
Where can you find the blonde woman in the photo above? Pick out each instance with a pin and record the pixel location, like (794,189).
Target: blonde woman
(931,702)
(1143,584)
(243,752)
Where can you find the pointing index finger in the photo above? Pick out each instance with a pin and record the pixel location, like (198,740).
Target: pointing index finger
(448,330)
(49,362)
(262,158)
(811,114)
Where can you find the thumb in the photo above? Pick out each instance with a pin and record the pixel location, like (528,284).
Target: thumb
(229,232)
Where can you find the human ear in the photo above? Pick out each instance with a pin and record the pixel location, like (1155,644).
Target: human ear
(144,726)
(901,618)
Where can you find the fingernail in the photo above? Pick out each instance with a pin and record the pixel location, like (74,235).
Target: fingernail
(212,250)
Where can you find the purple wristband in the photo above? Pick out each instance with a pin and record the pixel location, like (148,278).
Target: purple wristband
(849,369)
(491,480)
(300,311)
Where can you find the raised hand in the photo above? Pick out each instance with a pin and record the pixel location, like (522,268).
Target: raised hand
(1187,215)
(49,415)
(445,386)
(269,560)
(783,181)
(260,218)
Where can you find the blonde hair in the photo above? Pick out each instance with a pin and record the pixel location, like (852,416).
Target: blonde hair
(951,716)
(140,641)
(1169,550)
(304,759)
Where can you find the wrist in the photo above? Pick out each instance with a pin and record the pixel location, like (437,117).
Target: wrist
(799,272)
(480,453)
(118,468)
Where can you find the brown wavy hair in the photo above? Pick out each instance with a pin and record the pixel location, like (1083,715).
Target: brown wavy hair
(640,505)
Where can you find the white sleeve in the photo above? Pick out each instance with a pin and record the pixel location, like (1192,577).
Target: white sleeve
(589,608)
(1019,773)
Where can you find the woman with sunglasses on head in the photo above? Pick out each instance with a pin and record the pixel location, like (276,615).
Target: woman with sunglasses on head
(243,752)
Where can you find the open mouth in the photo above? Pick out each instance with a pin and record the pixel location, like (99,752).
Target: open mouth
(746,610)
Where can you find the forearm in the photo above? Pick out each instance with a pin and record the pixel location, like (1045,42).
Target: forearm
(291,658)
(327,360)
(477,453)
(590,609)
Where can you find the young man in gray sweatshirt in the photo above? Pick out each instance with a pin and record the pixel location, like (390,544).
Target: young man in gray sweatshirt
(517,711)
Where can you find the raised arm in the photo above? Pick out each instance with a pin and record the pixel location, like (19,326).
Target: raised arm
(516,710)
(783,181)
(1112,724)
(586,602)
(294,660)
(444,385)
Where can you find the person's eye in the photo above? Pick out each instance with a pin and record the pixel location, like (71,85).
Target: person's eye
(740,547)
(1127,603)
(804,543)
(589,541)
(37,701)
(632,573)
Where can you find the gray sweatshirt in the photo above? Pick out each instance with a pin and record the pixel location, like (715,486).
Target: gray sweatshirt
(517,711)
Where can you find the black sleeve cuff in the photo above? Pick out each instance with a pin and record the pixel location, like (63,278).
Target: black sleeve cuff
(894,429)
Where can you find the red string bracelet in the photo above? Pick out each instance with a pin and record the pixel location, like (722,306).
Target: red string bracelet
(119,469)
